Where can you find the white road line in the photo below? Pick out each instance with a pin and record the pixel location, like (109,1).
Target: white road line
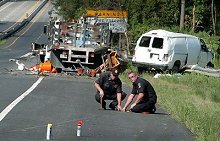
(16,101)
(5,7)
(26,55)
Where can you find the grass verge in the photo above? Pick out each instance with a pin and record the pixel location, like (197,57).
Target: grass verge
(192,99)
(2,42)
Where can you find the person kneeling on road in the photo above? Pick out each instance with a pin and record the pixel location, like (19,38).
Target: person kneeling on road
(109,87)
(146,95)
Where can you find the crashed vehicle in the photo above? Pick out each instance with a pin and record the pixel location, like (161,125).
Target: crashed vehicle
(164,50)
(72,45)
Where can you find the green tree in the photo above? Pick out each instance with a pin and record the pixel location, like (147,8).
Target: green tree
(217,5)
(169,13)
(202,14)
(68,9)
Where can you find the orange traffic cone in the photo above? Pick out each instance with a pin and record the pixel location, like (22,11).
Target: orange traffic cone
(46,66)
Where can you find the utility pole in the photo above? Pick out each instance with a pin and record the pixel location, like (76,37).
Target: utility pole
(193,18)
(213,10)
(182,14)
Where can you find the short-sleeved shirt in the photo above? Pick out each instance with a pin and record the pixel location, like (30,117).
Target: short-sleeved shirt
(143,86)
(109,86)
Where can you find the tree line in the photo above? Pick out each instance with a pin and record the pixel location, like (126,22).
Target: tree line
(196,15)
(187,16)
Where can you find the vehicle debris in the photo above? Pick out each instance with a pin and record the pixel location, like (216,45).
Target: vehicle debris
(206,71)
(72,48)
(21,66)
(43,67)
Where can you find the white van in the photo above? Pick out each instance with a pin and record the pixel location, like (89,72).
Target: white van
(164,50)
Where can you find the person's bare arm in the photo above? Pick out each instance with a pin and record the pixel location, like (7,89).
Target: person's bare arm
(129,100)
(101,92)
(119,101)
(139,98)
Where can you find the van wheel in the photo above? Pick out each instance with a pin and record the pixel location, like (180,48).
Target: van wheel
(176,67)
(210,65)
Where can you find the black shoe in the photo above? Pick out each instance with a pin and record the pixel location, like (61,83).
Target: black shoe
(104,107)
(153,110)
(112,107)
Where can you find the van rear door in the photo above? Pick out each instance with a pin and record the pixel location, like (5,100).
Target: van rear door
(142,50)
(148,50)
(156,53)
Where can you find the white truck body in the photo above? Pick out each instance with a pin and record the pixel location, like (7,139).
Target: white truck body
(164,50)
(73,44)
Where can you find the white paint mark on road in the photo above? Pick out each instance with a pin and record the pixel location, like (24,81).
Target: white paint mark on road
(16,101)
(26,55)
(5,7)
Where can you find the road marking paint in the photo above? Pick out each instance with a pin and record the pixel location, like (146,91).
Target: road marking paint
(12,10)
(16,101)
(29,11)
(29,26)
(26,55)
(5,7)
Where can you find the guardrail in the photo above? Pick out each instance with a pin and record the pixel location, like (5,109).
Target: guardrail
(23,23)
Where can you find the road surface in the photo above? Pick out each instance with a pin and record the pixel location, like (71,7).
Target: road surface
(28,103)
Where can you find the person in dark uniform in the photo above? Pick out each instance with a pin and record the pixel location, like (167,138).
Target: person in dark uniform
(146,95)
(109,87)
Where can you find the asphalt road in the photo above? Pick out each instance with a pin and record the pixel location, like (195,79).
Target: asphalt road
(62,99)
(13,13)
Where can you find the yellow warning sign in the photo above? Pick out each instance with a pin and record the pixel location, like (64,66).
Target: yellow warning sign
(108,13)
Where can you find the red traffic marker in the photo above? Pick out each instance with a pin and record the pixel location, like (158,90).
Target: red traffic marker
(79,122)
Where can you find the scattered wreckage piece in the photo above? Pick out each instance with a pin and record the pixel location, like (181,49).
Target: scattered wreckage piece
(206,71)
(21,66)
(43,67)
(40,50)
(111,62)
(193,68)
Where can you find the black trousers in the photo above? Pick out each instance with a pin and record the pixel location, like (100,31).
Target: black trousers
(113,97)
(144,107)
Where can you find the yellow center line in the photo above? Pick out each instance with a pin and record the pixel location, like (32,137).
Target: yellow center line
(23,17)
(34,20)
